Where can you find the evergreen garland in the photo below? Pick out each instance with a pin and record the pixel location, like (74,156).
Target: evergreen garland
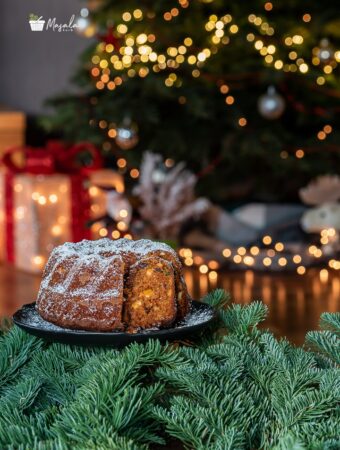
(238,388)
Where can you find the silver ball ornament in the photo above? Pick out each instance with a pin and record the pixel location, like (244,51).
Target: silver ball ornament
(271,105)
(325,52)
(127,135)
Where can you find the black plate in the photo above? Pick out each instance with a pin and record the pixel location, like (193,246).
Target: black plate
(200,317)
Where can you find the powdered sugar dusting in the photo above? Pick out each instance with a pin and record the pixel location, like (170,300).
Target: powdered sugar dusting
(83,249)
(72,258)
(30,317)
(196,317)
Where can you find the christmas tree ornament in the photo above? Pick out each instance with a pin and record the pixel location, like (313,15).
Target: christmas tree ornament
(271,105)
(127,135)
(325,52)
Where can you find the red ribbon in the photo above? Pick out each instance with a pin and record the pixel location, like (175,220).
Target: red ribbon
(55,158)
(9,217)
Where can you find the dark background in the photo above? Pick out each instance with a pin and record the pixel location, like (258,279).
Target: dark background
(36,65)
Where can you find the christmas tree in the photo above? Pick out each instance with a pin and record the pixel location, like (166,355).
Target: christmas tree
(245,92)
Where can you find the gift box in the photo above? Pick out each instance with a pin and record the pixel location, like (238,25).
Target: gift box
(12,129)
(49,201)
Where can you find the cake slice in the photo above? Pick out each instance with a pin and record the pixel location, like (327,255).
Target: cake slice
(150,294)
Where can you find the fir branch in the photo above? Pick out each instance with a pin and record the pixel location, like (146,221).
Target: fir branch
(16,349)
(325,343)
(244,389)
(331,322)
(239,318)
(218,298)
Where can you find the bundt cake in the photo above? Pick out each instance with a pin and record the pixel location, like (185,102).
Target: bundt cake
(109,285)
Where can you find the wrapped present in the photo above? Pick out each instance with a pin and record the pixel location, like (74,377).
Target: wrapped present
(48,201)
(12,129)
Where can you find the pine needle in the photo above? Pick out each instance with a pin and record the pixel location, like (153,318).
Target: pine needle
(237,388)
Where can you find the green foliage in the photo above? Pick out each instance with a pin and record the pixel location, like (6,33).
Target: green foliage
(237,389)
(33,17)
(190,120)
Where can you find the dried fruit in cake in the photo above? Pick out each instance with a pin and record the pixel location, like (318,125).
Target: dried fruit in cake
(182,296)
(150,294)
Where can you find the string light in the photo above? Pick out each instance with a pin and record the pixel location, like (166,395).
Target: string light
(279,247)
(250,257)
(134,173)
(38,260)
(42,200)
(137,56)
(212,275)
(123,213)
(248,260)
(297,259)
(323,275)
(103,232)
(112,133)
(213,265)
(121,226)
(299,153)
(121,163)
(115,234)
(321,135)
(203,268)
(267,240)
(56,230)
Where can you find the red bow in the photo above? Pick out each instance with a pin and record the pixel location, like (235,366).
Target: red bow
(55,158)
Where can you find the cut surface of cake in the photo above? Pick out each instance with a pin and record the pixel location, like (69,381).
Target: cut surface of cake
(109,285)
(150,294)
